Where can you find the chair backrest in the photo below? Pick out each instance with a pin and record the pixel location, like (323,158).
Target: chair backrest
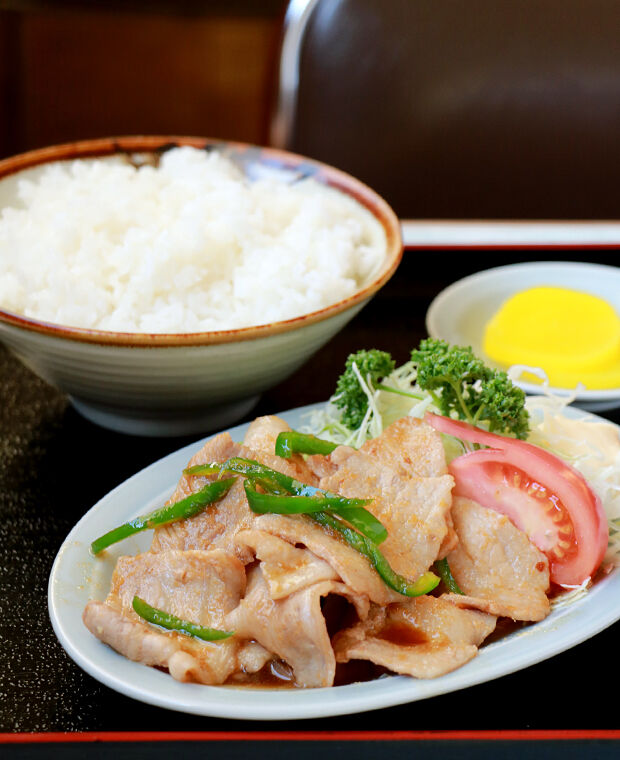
(460,108)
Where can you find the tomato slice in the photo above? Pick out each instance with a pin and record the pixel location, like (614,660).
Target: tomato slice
(542,495)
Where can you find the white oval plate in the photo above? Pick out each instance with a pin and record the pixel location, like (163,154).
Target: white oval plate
(77,577)
(461,311)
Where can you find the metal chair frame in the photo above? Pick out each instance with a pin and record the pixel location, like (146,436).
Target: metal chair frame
(295,24)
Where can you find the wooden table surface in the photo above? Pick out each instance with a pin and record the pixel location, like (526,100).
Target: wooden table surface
(54,466)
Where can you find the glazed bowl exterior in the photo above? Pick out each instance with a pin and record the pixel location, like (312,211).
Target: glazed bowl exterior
(173,384)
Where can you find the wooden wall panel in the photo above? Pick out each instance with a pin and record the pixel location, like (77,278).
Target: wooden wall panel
(89,74)
(10,83)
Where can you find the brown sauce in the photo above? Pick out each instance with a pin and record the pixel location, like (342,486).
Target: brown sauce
(402,634)
(338,612)
(503,628)
(356,671)
(276,674)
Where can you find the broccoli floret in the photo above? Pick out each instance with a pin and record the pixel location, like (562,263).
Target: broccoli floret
(372,365)
(463,386)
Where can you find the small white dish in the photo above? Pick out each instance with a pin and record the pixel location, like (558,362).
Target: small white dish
(461,311)
(77,577)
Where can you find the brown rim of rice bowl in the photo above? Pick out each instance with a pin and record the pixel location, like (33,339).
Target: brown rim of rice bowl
(136,144)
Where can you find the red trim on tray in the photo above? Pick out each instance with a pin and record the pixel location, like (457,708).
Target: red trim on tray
(218,736)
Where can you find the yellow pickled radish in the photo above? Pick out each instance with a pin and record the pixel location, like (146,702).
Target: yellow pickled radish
(572,335)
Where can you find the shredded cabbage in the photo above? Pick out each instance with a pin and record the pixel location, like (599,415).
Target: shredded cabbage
(591,446)
(384,407)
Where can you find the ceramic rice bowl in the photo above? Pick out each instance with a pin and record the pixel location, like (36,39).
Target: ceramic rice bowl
(173,384)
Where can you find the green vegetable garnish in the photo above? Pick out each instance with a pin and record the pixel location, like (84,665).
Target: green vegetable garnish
(256,471)
(442,568)
(285,495)
(425,583)
(172,623)
(372,393)
(463,386)
(351,510)
(279,484)
(265,503)
(188,507)
(360,541)
(371,366)
(291,442)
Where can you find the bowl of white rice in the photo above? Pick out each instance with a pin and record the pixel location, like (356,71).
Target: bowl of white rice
(164,283)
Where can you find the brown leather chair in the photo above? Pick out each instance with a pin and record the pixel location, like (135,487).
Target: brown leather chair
(460,108)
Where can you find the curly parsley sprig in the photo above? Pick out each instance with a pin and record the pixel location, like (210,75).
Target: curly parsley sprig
(463,387)
(352,395)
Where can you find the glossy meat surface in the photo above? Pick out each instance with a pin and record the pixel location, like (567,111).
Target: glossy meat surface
(414,510)
(496,564)
(424,637)
(411,447)
(354,569)
(197,586)
(286,568)
(293,628)
(217,525)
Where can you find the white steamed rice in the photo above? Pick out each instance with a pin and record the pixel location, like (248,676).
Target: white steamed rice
(190,246)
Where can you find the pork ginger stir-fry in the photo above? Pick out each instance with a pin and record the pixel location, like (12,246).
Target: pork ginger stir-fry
(299,595)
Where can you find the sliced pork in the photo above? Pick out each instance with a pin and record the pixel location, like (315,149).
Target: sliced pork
(214,528)
(217,525)
(263,432)
(217,449)
(298,597)
(354,569)
(185,658)
(293,628)
(286,568)
(262,435)
(201,587)
(496,565)
(414,448)
(253,657)
(411,447)
(414,510)
(424,637)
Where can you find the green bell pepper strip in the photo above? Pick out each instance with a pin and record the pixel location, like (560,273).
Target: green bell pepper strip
(266,503)
(188,507)
(275,481)
(253,470)
(425,583)
(351,510)
(172,623)
(276,503)
(273,502)
(364,522)
(291,442)
(281,504)
(442,568)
